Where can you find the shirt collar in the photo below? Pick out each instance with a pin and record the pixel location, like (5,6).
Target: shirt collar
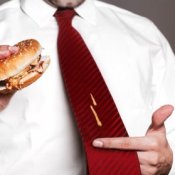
(41,12)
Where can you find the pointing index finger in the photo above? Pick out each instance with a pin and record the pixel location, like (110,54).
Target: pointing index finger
(125,143)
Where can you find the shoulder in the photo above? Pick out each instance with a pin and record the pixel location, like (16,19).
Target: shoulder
(8,10)
(115,11)
(9,5)
(132,22)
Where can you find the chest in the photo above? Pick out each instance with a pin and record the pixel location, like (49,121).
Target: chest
(125,59)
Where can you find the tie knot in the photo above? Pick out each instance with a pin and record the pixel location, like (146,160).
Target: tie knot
(65,14)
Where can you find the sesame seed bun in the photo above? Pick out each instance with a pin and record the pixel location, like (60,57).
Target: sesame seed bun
(24,68)
(29,50)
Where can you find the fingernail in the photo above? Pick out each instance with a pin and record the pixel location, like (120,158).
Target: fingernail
(13,48)
(97,143)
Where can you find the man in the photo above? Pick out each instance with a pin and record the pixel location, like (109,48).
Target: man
(38,136)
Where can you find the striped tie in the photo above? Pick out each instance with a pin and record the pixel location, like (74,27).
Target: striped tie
(92,104)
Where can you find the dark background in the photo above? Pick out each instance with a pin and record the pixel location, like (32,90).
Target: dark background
(161,12)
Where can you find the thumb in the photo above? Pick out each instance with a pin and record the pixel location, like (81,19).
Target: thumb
(159,117)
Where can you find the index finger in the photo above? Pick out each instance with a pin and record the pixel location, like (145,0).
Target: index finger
(4,51)
(125,143)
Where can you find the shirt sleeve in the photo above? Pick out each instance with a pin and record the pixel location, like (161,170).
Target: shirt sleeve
(164,86)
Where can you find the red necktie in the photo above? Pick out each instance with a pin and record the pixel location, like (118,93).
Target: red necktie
(92,104)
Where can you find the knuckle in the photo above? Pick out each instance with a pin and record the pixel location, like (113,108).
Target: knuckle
(125,144)
(155,144)
(107,143)
(155,160)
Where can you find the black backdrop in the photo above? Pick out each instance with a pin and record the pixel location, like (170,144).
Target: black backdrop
(161,12)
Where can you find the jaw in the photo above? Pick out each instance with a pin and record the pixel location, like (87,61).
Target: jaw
(66,3)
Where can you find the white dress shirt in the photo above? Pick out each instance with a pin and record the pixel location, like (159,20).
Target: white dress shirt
(38,135)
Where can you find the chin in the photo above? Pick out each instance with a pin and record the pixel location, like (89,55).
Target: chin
(66,3)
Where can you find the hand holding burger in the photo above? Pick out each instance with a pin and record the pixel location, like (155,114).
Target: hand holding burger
(6,51)
(20,66)
(21,69)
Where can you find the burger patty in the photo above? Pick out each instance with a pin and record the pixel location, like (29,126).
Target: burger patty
(2,83)
(15,79)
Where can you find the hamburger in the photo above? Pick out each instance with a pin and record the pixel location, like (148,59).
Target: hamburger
(23,68)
